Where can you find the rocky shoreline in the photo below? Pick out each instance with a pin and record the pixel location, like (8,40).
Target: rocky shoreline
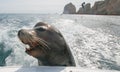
(106,7)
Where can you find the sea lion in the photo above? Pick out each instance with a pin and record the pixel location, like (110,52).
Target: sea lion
(47,44)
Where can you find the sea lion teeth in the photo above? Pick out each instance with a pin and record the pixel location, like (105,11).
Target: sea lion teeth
(27,46)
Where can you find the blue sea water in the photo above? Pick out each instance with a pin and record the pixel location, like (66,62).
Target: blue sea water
(94,40)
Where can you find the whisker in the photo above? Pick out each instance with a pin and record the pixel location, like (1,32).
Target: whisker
(35,40)
(45,51)
(44,47)
(45,43)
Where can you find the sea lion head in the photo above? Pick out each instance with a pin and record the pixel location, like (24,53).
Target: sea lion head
(41,38)
(47,44)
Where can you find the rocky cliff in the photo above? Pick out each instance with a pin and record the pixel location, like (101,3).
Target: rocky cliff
(69,9)
(106,7)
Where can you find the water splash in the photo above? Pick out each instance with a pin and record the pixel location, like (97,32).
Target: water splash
(94,40)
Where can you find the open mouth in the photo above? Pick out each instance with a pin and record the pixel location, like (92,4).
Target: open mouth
(30,46)
(28,40)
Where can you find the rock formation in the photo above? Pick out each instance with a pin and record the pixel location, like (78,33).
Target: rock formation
(99,8)
(85,10)
(106,7)
(113,7)
(69,9)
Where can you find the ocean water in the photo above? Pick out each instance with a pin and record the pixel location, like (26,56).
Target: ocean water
(94,40)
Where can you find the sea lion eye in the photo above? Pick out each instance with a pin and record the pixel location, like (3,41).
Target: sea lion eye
(41,29)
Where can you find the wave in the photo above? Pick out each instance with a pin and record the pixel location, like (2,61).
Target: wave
(94,40)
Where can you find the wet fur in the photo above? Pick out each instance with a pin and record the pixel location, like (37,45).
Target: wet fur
(47,45)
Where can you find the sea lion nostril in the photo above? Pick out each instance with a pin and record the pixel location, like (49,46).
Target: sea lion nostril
(20,32)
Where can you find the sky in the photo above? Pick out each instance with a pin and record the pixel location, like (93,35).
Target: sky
(38,6)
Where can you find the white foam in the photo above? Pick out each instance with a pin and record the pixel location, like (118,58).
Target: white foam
(94,40)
